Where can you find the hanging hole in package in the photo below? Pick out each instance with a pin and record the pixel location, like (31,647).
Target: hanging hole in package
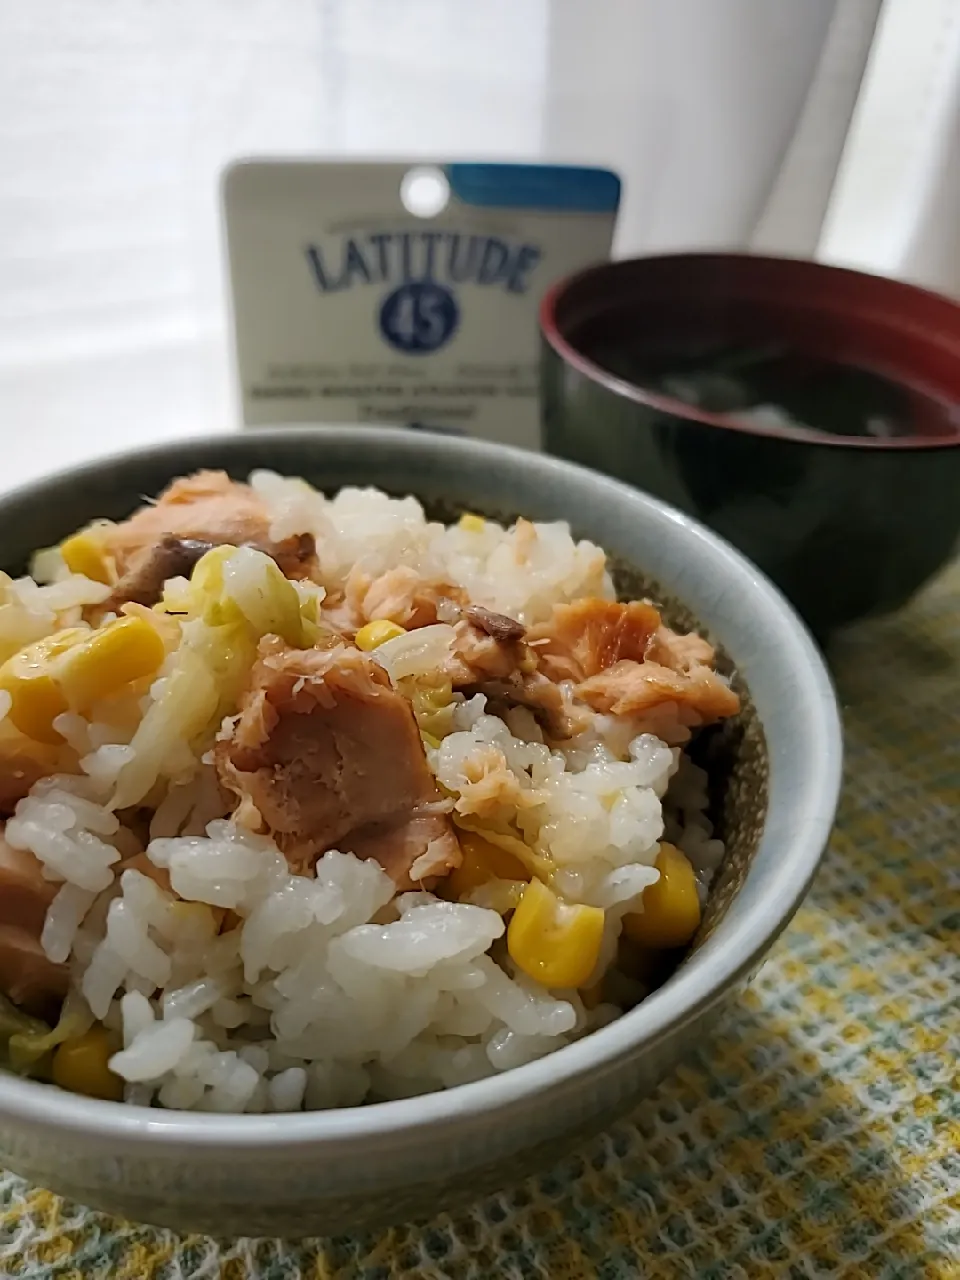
(403,292)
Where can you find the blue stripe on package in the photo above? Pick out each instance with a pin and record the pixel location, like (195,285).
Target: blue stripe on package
(547,187)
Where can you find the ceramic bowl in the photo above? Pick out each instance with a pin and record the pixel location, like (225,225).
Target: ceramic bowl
(776,774)
(846,524)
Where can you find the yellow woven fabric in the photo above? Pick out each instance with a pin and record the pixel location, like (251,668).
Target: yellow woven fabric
(818,1135)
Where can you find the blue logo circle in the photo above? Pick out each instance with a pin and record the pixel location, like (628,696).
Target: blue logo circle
(419,317)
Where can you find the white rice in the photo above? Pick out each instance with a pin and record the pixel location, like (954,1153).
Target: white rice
(522,571)
(325,989)
(65,832)
(417,998)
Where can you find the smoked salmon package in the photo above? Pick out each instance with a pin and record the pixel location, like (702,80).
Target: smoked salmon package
(403,293)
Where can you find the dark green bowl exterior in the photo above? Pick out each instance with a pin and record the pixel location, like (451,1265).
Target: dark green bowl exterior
(843,532)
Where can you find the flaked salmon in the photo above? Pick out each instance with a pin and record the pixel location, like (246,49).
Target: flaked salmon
(210,508)
(328,755)
(27,976)
(590,635)
(633,688)
(491,656)
(400,595)
(25,894)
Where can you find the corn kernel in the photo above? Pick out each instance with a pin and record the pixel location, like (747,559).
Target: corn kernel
(196,919)
(377,633)
(482,861)
(537,864)
(157,617)
(471,523)
(73,669)
(36,703)
(80,1065)
(36,698)
(84,553)
(671,907)
(554,943)
(113,657)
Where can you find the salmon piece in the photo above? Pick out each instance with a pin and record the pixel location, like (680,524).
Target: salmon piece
(142,584)
(340,616)
(590,635)
(680,652)
(633,688)
(400,595)
(542,698)
(140,862)
(27,977)
(174,557)
(480,656)
(626,662)
(492,790)
(491,657)
(22,763)
(25,894)
(296,556)
(330,756)
(419,849)
(207,507)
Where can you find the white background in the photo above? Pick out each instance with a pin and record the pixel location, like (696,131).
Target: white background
(727,119)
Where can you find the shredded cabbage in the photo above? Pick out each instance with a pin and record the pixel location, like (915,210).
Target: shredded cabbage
(32,1040)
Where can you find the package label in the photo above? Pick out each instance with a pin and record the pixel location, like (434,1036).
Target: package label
(403,292)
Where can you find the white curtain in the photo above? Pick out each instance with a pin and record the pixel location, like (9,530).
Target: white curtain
(728,120)
(699,104)
(808,127)
(896,203)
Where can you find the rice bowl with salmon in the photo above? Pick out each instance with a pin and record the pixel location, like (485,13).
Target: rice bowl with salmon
(312,801)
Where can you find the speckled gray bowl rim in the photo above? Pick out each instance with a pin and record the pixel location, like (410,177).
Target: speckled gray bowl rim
(735,949)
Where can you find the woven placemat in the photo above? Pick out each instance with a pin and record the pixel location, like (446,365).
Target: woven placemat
(818,1135)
